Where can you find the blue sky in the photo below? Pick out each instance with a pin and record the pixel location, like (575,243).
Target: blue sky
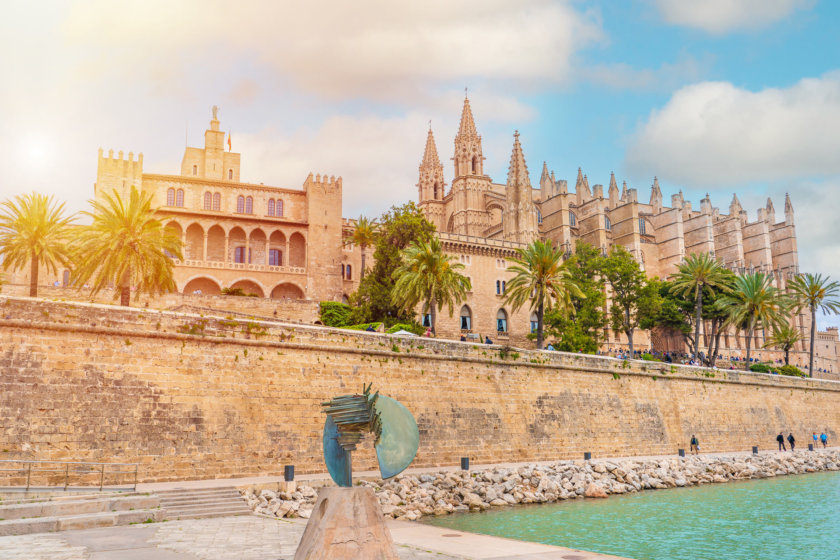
(718,96)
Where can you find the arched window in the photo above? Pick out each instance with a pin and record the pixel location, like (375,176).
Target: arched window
(427,320)
(195,170)
(270,206)
(466,318)
(274,257)
(534,323)
(504,287)
(498,287)
(208,201)
(278,209)
(239,255)
(249,205)
(240,204)
(501,321)
(607,224)
(179,198)
(572,219)
(343,270)
(170,197)
(539,216)
(474,165)
(349,272)
(217,201)
(230,174)
(642,228)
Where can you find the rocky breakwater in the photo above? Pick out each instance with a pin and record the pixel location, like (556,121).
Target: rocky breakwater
(412,496)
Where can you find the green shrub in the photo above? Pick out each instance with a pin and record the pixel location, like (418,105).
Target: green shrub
(792,370)
(335,314)
(650,358)
(362,326)
(415,328)
(237,292)
(760,368)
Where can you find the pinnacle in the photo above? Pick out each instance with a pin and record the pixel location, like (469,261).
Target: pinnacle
(518,171)
(467,127)
(430,155)
(545,176)
(613,184)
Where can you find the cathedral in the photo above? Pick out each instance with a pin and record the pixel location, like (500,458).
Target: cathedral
(482,223)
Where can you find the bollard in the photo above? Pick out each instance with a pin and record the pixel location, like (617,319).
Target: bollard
(810,447)
(465,463)
(289,473)
(681,452)
(587,456)
(755,450)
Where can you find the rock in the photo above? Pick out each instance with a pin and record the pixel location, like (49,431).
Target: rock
(594,491)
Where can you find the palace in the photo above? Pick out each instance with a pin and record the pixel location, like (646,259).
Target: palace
(272,242)
(483,222)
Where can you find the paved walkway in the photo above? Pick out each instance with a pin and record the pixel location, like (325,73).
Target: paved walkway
(260,538)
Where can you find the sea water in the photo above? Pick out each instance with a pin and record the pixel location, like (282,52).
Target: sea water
(785,518)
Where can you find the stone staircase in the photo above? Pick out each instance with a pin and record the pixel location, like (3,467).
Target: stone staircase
(201,503)
(66,512)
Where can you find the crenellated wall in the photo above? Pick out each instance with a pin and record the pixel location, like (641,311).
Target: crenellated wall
(190,396)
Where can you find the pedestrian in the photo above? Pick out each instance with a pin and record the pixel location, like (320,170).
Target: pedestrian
(815,440)
(487,340)
(823,438)
(791,441)
(550,347)
(695,445)
(463,338)
(428,333)
(781,439)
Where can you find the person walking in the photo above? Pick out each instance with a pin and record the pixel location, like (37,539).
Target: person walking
(781,439)
(823,439)
(791,441)
(695,445)
(815,440)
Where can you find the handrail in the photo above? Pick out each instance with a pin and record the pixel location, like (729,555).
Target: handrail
(80,469)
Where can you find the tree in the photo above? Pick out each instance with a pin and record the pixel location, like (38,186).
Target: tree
(364,235)
(814,292)
(34,230)
(398,227)
(125,246)
(699,274)
(583,332)
(430,276)
(630,292)
(542,278)
(784,337)
(754,302)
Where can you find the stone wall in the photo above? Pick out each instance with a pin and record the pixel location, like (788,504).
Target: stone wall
(190,396)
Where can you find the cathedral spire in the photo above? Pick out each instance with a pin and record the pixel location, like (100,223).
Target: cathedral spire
(520,222)
(469,160)
(545,176)
(430,155)
(788,210)
(518,171)
(735,206)
(656,195)
(612,192)
(431,185)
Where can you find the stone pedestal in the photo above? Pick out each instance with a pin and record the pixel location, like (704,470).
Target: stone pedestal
(347,523)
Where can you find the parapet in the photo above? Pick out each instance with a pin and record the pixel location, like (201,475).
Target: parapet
(120,165)
(331,182)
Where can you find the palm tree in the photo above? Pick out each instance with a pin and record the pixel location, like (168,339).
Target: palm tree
(542,278)
(430,276)
(125,246)
(364,235)
(754,302)
(699,273)
(814,292)
(34,230)
(784,337)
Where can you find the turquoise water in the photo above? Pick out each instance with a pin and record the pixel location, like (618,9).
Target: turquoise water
(785,518)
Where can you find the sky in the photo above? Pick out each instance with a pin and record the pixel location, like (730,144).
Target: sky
(719,96)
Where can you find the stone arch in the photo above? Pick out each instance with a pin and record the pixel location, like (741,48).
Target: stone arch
(176,228)
(194,249)
(496,211)
(237,240)
(207,286)
(257,239)
(287,290)
(249,286)
(297,250)
(502,321)
(450,224)
(215,244)
(277,242)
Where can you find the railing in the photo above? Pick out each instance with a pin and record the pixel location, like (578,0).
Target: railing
(26,475)
(240,266)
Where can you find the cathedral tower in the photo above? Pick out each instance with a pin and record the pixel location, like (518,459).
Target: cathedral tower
(431,185)
(520,221)
(469,214)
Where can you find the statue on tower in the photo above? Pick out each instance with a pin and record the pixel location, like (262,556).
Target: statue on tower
(215,112)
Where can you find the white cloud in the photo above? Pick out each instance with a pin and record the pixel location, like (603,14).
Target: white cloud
(667,77)
(368,47)
(714,134)
(721,16)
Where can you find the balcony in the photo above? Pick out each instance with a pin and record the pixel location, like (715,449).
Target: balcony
(251,267)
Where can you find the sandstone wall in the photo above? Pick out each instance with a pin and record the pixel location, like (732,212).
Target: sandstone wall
(190,396)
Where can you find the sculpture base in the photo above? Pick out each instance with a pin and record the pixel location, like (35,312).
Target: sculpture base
(346,523)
